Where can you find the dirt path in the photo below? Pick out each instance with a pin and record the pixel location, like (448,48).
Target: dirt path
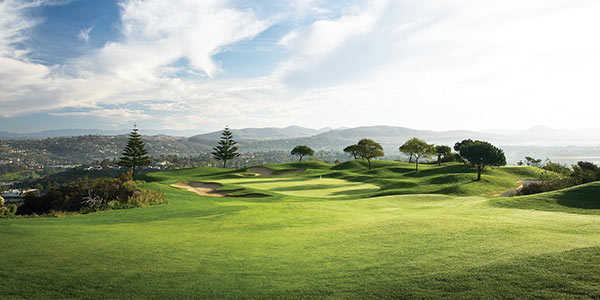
(263,171)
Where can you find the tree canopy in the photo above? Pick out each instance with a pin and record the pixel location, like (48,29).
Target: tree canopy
(226,148)
(301,151)
(369,149)
(418,149)
(533,161)
(442,151)
(135,154)
(482,154)
(353,150)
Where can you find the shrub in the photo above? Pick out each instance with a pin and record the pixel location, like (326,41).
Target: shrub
(12,209)
(91,195)
(8,211)
(557,168)
(547,186)
(146,197)
(585,172)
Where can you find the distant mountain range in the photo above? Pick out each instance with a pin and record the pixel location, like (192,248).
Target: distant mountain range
(274,138)
(260,134)
(81,146)
(269,133)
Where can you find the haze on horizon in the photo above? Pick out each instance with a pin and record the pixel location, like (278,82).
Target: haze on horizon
(201,65)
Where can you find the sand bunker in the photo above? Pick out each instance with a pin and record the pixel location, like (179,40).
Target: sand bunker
(210,189)
(262,171)
(202,189)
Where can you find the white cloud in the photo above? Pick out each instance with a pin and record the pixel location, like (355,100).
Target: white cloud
(155,33)
(84,34)
(419,63)
(426,64)
(158,33)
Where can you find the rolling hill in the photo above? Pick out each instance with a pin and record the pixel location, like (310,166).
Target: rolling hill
(321,231)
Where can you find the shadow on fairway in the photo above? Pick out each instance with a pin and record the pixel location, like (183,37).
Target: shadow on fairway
(587,197)
(353,192)
(309,187)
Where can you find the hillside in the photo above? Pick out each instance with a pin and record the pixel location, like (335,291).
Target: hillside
(252,134)
(583,199)
(86,148)
(314,230)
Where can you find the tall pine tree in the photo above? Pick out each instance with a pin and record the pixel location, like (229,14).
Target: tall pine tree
(135,154)
(226,148)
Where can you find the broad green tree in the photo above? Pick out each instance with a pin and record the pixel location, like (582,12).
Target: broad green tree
(418,149)
(369,149)
(442,151)
(226,149)
(135,154)
(481,154)
(354,150)
(301,151)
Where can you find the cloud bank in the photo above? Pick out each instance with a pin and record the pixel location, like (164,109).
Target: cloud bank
(426,64)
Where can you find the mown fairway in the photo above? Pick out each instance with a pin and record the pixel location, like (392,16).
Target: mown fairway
(328,232)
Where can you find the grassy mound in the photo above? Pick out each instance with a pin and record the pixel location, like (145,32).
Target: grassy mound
(583,199)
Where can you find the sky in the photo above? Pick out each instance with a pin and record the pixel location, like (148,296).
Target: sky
(202,65)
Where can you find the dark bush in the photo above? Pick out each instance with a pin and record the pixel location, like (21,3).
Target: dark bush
(547,186)
(89,195)
(557,168)
(584,172)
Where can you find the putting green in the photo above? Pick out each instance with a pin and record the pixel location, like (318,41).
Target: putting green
(306,187)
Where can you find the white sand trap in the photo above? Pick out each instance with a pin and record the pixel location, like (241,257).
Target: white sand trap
(202,189)
(263,171)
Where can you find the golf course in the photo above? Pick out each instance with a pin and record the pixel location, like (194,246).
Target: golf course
(312,230)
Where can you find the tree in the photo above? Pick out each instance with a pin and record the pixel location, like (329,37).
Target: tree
(482,154)
(417,149)
(442,151)
(354,150)
(135,154)
(302,151)
(585,172)
(369,149)
(533,162)
(459,145)
(226,148)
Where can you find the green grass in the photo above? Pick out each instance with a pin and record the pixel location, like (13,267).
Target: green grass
(329,232)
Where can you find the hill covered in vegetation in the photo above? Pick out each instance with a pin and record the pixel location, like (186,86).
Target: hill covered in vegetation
(317,230)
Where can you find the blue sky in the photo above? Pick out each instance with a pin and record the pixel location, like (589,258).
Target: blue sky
(200,65)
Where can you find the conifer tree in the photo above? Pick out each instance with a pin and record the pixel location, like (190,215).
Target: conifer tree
(134,155)
(226,148)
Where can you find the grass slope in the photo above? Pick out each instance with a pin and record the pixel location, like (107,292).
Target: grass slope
(402,234)
(583,199)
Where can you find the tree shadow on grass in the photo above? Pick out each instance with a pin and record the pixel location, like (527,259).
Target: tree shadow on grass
(354,192)
(309,187)
(273,181)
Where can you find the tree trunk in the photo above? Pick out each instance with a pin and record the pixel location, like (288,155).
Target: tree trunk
(410,159)
(417,165)
(300,158)
(133,172)
(478,172)
(439,160)
(369,162)
(224,163)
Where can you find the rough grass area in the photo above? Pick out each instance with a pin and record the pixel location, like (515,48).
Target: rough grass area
(328,232)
